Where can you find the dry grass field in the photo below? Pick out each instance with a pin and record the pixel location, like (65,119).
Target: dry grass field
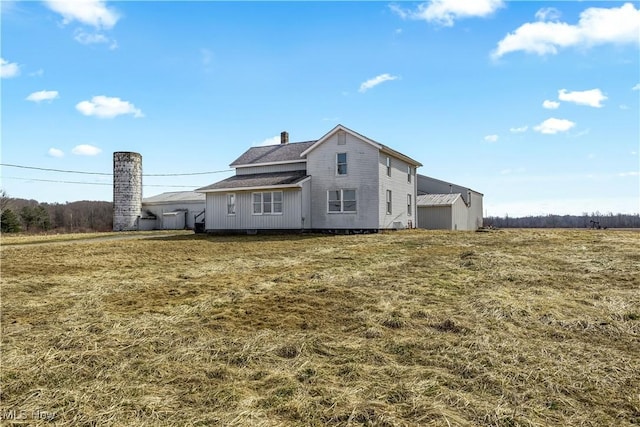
(412,328)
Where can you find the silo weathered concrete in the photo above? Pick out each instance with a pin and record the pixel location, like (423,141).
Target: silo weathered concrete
(127,190)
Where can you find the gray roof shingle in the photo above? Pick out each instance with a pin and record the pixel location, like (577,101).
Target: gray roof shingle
(175,196)
(272,153)
(256,181)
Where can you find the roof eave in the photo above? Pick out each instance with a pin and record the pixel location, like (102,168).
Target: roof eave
(297,184)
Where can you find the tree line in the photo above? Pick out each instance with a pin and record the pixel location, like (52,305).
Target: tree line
(31,216)
(22,215)
(593,220)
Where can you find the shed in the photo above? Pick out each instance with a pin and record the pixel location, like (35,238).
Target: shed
(167,207)
(466,213)
(175,220)
(442,212)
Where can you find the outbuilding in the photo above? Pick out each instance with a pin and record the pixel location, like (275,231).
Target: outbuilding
(171,211)
(446,206)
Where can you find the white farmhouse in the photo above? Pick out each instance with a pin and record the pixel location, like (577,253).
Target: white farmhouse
(342,182)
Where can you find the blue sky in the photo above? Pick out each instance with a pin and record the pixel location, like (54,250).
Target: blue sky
(535,104)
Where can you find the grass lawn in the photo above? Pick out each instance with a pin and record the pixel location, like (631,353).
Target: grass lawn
(504,328)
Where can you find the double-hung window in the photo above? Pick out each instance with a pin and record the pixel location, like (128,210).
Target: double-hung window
(341,164)
(409,204)
(267,203)
(409,174)
(388,166)
(231,204)
(341,201)
(389,202)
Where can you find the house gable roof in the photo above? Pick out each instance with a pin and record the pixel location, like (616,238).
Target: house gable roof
(259,181)
(273,154)
(370,141)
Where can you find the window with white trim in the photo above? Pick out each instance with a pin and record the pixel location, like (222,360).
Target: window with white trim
(388,166)
(231,204)
(341,164)
(389,202)
(409,204)
(341,201)
(267,203)
(409,174)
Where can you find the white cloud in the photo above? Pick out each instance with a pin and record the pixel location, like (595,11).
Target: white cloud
(43,95)
(521,129)
(207,56)
(548,14)
(596,26)
(107,107)
(633,173)
(552,126)
(636,87)
(491,138)
(624,107)
(54,152)
(86,150)
(83,37)
(446,12)
(592,98)
(38,73)
(550,105)
(376,81)
(8,69)
(274,140)
(88,12)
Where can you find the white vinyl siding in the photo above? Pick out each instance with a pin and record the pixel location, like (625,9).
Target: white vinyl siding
(363,177)
(400,188)
(341,201)
(244,219)
(285,167)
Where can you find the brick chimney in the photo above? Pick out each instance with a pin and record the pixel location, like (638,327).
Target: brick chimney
(284,137)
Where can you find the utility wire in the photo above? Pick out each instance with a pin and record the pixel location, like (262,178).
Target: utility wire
(92,183)
(110,174)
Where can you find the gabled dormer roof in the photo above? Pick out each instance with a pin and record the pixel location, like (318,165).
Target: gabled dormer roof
(370,141)
(273,154)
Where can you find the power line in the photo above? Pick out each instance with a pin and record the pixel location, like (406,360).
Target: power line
(93,183)
(54,170)
(110,174)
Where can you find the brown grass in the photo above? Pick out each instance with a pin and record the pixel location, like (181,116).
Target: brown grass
(508,328)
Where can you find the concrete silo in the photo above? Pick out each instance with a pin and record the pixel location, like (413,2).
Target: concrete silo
(127,190)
